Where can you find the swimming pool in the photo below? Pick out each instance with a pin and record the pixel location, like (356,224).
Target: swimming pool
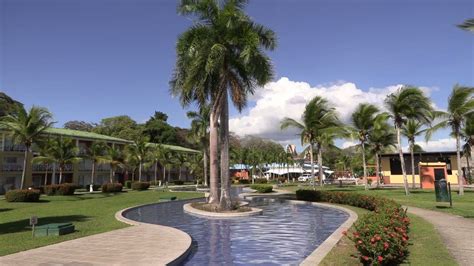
(285,233)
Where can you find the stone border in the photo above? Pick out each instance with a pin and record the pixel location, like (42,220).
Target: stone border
(186,238)
(221,215)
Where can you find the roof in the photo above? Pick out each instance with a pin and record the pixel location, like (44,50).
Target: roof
(83,135)
(176,148)
(422,153)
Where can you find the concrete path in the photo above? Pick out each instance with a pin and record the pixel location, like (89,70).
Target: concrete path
(457,233)
(135,245)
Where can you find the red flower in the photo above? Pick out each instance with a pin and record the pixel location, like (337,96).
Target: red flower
(385,246)
(372,240)
(365,258)
(380,258)
(359,242)
(378,238)
(344,232)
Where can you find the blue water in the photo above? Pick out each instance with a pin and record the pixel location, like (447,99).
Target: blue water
(285,234)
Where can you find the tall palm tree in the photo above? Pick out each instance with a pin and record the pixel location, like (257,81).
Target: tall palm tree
(63,151)
(47,159)
(220,55)
(131,163)
(182,160)
(115,158)
(412,129)
(460,107)
(155,156)
(467,25)
(139,150)
(468,135)
(380,140)
(200,132)
(96,154)
(318,122)
(363,123)
(196,166)
(26,127)
(407,103)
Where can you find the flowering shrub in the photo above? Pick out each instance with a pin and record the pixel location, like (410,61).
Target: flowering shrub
(380,237)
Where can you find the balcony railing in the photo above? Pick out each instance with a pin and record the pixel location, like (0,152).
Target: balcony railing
(43,167)
(12,167)
(14,147)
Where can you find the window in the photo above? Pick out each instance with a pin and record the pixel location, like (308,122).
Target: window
(10,160)
(395,166)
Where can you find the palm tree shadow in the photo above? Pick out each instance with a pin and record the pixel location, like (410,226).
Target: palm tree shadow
(5,209)
(24,225)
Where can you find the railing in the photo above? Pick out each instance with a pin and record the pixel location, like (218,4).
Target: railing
(14,147)
(12,167)
(43,167)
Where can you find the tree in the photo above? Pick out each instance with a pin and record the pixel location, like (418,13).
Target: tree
(159,131)
(200,132)
(412,129)
(79,125)
(46,157)
(8,105)
(220,55)
(96,154)
(115,158)
(407,103)
(363,123)
(468,135)
(319,124)
(26,127)
(121,126)
(138,152)
(381,139)
(468,25)
(155,156)
(181,160)
(196,166)
(62,151)
(460,107)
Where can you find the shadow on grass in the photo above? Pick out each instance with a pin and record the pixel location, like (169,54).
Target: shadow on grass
(5,209)
(24,225)
(443,207)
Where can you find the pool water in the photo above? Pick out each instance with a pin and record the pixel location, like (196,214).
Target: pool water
(285,233)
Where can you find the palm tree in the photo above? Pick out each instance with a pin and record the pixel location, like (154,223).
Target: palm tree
(363,123)
(318,123)
(467,25)
(412,129)
(220,55)
(468,134)
(196,166)
(200,132)
(63,151)
(115,158)
(460,107)
(407,103)
(182,160)
(26,127)
(96,154)
(381,139)
(139,150)
(155,156)
(47,159)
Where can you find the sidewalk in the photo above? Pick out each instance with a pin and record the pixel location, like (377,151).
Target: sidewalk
(457,233)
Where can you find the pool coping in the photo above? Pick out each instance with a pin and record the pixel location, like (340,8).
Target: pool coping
(221,215)
(177,234)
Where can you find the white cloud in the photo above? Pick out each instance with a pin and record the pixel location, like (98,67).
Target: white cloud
(347,144)
(444,144)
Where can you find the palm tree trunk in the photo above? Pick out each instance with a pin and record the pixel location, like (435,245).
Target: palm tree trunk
(46,175)
(156,172)
(169,174)
(225,201)
(312,164)
(402,161)
(53,174)
(111,174)
(140,172)
(164,173)
(214,160)
(468,167)
(93,172)
(412,147)
(204,158)
(377,168)
(179,175)
(320,164)
(23,173)
(364,165)
(60,174)
(458,155)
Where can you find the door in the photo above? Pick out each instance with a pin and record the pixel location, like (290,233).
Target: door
(427,177)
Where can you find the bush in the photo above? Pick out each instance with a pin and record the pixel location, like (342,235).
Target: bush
(381,237)
(60,189)
(261,188)
(260,181)
(22,195)
(128,184)
(112,187)
(178,182)
(94,187)
(244,181)
(140,185)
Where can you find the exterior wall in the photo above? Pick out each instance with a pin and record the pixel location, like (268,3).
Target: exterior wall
(398,179)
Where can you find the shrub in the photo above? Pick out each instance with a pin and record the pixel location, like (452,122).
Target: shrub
(140,185)
(128,184)
(112,187)
(261,188)
(178,182)
(60,189)
(94,187)
(381,237)
(22,195)
(260,181)
(244,181)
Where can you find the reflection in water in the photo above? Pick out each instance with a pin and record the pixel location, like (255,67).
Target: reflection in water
(285,234)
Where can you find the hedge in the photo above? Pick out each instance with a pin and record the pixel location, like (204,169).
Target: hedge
(261,188)
(112,187)
(22,195)
(60,189)
(381,236)
(244,181)
(260,181)
(140,185)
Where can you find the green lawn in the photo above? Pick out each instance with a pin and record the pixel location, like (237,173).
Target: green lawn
(91,213)
(462,205)
(426,246)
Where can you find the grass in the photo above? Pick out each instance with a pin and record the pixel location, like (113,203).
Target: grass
(426,246)
(91,214)
(462,205)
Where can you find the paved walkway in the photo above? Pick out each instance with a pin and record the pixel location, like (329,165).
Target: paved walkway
(457,233)
(134,245)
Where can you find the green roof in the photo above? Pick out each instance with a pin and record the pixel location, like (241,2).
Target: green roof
(176,148)
(83,134)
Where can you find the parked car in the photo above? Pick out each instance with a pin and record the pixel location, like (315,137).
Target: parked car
(308,177)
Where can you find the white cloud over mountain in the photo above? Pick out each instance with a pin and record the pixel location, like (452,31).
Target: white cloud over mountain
(287,98)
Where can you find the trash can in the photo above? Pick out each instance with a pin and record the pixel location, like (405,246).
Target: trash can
(441,190)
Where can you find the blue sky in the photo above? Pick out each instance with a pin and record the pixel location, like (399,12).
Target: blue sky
(89,59)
